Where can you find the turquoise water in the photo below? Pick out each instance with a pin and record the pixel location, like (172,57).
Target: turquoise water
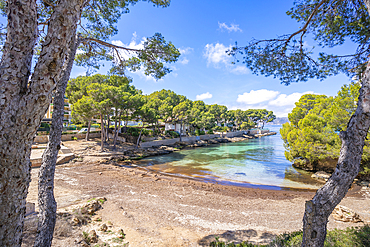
(252,163)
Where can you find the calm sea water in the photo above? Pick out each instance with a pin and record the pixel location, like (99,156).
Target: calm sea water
(252,163)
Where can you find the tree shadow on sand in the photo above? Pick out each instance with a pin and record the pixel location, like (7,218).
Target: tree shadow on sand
(239,236)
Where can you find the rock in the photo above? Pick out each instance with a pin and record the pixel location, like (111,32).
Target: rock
(345,214)
(364,183)
(94,237)
(75,221)
(321,175)
(84,244)
(103,228)
(96,218)
(327,165)
(212,141)
(121,234)
(90,207)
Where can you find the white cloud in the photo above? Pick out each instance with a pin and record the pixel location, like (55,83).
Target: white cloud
(239,70)
(280,104)
(142,74)
(184,61)
(204,96)
(288,100)
(231,28)
(186,50)
(216,54)
(258,96)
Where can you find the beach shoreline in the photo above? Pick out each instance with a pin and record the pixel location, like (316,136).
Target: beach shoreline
(159,210)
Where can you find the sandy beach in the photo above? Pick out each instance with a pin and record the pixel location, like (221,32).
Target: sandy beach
(160,210)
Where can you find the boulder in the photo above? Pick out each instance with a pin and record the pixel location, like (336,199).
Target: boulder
(212,141)
(321,175)
(92,206)
(103,228)
(327,165)
(121,234)
(96,218)
(345,214)
(93,237)
(75,221)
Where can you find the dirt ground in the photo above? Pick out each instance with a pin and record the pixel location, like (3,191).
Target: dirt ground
(158,210)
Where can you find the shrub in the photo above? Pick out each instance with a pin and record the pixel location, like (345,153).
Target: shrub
(210,132)
(171,133)
(67,133)
(352,236)
(44,125)
(133,131)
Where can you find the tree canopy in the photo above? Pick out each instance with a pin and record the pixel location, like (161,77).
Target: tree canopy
(312,134)
(331,23)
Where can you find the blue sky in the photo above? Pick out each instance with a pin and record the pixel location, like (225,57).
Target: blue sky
(203,30)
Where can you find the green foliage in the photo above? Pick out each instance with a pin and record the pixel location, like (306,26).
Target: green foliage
(352,236)
(218,243)
(247,125)
(113,96)
(312,133)
(330,23)
(171,133)
(133,131)
(44,125)
(210,132)
(199,132)
(86,237)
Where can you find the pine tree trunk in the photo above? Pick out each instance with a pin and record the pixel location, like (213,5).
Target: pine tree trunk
(24,102)
(329,196)
(46,200)
(318,210)
(115,131)
(107,129)
(180,130)
(102,133)
(138,139)
(15,145)
(88,131)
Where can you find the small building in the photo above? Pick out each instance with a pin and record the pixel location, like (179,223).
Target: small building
(67,112)
(176,127)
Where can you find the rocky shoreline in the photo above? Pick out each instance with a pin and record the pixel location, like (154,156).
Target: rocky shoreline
(140,153)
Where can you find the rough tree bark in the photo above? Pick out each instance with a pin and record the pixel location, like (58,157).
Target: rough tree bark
(102,133)
(24,102)
(318,210)
(329,196)
(88,131)
(46,200)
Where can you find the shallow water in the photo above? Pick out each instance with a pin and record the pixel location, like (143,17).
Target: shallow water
(252,163)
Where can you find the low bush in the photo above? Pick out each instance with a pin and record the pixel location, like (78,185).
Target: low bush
(199,132)
(217,128)
(352,236)
(171,133)
(67,133)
